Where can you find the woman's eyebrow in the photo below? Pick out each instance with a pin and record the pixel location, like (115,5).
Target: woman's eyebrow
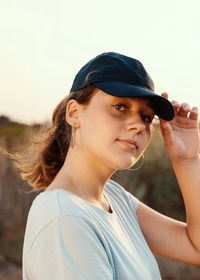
(150,105)
(121,99)
(130,101)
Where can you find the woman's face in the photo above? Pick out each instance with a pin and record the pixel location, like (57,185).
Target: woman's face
(107,122)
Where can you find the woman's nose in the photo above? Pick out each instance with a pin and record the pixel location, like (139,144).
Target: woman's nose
(136,125)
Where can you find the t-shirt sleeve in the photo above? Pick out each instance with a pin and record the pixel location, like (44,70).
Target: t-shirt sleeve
(69,248)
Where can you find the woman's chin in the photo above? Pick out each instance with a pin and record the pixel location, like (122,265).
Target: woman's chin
(125,164)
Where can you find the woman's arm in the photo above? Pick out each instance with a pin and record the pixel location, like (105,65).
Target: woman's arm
(166,236)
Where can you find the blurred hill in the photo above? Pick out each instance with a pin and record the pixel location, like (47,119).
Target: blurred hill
(154,184)
(6,121)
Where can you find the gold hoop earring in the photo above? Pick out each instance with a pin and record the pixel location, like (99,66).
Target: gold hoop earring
(73,136)
(131,169)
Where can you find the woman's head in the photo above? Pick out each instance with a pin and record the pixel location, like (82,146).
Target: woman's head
(106,124)
(117,79)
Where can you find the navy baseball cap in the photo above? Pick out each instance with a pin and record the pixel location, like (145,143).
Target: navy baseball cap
(122,76)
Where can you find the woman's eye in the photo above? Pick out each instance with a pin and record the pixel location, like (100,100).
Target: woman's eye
(120,107)
(147,118)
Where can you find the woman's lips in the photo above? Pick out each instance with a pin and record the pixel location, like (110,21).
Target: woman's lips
(129,143)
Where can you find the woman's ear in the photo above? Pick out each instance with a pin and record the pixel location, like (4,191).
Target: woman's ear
(72,112)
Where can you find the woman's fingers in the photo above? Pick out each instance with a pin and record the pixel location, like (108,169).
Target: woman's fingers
(184,110)
(164,94)
(176,106)
(194,113)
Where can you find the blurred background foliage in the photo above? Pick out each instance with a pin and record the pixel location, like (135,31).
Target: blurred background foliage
(154,183)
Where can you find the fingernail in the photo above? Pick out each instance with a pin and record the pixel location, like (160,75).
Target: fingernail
(195,109)
(185,107)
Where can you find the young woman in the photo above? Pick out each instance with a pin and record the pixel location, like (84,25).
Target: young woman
(86,226)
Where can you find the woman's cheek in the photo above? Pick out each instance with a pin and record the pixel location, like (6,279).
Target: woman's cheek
(146,138)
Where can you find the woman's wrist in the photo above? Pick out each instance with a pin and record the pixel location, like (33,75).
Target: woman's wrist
(186,162)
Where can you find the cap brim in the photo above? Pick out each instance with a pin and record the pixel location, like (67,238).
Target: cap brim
(161,106)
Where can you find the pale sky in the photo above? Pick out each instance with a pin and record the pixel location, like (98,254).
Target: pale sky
(44,43)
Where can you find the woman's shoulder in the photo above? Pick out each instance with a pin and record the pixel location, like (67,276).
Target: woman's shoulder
(120,193)
(114,188)
(50,206)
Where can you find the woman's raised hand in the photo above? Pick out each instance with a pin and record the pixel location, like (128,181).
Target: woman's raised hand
(181,135)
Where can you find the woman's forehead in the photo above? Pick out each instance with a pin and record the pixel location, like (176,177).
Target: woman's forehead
(107,97)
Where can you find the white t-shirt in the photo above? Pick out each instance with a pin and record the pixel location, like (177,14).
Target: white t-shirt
(68,238)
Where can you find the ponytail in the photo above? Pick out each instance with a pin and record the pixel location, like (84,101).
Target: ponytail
(45,155)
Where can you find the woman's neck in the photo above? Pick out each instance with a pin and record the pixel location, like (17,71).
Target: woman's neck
(83,176)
